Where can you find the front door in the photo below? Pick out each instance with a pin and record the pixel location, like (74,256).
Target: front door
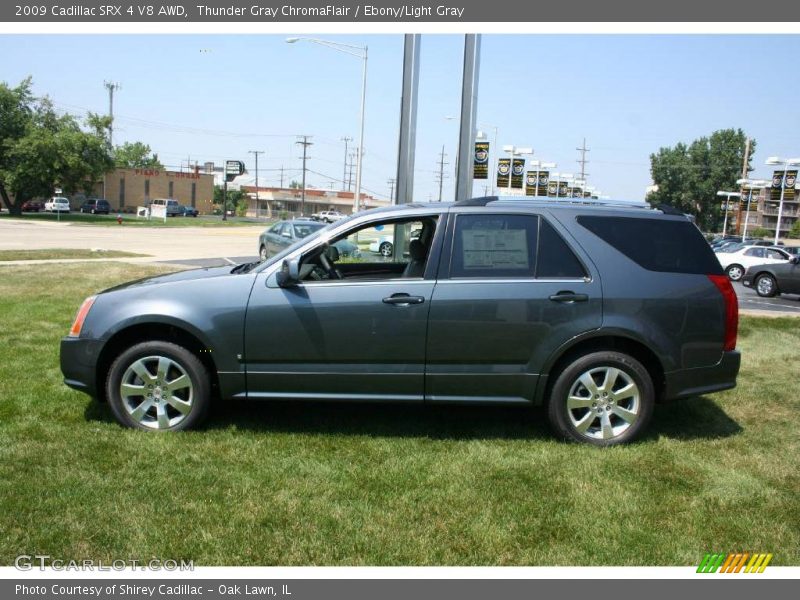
(353,331)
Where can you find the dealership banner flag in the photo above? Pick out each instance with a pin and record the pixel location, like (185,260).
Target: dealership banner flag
(481,162)
(531,179)
(777,180)
(552,189)
(517,173)
(503,171)
(544,180)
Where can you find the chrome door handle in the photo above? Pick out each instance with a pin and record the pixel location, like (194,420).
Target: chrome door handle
(568,297)
(403,299)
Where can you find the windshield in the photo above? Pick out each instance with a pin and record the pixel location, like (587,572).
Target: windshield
(305,229)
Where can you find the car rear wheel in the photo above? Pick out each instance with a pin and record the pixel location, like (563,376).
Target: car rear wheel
(603,398)
(385,249)
(262,252)
(158,386)
(735,272)
(766,286)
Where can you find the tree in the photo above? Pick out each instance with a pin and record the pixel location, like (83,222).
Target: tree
(795,232)
(688,177)
(236,198)
(136,155)
(41,150)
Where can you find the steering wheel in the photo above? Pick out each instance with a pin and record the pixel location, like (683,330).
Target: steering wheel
(332,271)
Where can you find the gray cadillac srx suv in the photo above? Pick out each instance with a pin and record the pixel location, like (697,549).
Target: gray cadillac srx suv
(597,310)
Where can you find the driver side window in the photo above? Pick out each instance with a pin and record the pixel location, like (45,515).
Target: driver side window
(391,249)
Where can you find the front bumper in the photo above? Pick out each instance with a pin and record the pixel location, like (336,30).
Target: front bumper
(704,380)
(79,364)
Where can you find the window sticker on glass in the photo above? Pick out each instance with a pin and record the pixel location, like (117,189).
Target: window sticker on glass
(495,248)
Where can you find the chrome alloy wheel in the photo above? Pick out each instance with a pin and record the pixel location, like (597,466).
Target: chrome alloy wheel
(765,285)
(157,392)
(385,249)
(603,403)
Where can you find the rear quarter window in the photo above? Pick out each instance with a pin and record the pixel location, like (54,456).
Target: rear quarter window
(656,244)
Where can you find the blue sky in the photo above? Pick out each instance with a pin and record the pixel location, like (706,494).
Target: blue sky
(214,97)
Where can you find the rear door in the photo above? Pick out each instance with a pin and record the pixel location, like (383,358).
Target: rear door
(513,290)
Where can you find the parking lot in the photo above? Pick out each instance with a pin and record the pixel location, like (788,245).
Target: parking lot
(211,246)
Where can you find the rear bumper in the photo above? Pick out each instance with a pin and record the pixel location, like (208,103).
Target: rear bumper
(79,364)
(705,380)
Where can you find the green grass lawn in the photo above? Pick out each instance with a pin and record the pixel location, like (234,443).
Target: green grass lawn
(133,220)
(62,253)
(284,484)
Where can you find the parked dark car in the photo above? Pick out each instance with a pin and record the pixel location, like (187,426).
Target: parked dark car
(32,206)
(283,234)
(771,280)
(597,311)
(188,211)
(96,206)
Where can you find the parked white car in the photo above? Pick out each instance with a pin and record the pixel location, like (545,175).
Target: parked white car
(328,216)
(736,263)
(57,204)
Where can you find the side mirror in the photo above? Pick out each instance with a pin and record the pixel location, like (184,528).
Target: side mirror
(289,275)
(795,260)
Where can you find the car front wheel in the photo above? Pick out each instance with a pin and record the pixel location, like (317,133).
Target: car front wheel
(766,286)
(735,272)
(385,249)
(603,398)
(158,386)
(262,252)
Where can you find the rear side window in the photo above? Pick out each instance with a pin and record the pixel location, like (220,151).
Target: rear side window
(665,245)
(495,246)
(556,260)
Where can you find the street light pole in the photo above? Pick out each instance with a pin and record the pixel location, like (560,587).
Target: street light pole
(751,184)
(728,196)
(774,160)
(360,52)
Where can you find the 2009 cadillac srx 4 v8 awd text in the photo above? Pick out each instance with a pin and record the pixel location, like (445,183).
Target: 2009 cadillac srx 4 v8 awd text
(596,310)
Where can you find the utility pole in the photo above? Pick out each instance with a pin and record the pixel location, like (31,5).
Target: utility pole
(346,141)
(441,177)
(256,153)
(350,176)
(111,87)
(281,176)
(582,161)
(745,163)
(391,183)
(305,144)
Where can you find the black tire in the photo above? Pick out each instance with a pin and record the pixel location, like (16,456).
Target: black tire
(262,253)
(765,285)
(93,211)
(735,272)
(198,396)
(562,419)
(385,249)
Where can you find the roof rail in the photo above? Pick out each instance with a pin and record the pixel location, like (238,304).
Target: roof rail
(583,201)
(480,201)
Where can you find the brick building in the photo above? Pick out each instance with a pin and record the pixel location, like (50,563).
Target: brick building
(126,189)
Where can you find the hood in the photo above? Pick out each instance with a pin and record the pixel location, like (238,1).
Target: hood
(189,275)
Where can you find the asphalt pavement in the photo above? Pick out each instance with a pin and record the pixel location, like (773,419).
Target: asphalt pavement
(749,300)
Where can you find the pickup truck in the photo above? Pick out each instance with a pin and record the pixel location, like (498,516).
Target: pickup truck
(328,216)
